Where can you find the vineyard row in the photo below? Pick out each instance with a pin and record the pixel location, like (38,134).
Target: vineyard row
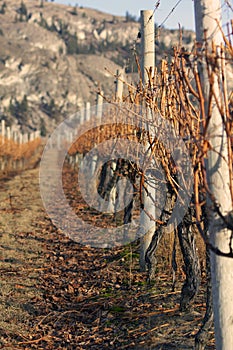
(17,149)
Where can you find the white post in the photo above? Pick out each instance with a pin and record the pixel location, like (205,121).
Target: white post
(147,42)
(87,111)
(119,85)
(114,200)
(147,225)
(31,136)
(99,107)
(81,119)
(3,130)
(112,195)
(25,138)
(58,145)
(206,11)
(8,133)
(82,115)
(15,136)
(20,138)
(93,163)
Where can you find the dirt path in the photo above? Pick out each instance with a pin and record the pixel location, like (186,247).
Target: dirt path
(57,294)
(21,255)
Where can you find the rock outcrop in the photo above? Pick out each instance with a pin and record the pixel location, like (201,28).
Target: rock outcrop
(53,58)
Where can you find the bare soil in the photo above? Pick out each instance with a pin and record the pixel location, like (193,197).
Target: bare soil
(58,294)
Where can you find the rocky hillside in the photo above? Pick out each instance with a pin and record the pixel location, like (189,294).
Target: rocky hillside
(53,58)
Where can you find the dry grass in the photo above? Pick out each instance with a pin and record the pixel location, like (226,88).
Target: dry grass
(20,256)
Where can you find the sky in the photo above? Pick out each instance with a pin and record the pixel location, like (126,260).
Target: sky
(183,13)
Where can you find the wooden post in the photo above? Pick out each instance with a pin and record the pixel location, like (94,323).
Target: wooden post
(8,133)
(99,107)
(3,130)
(147,42)
(21,161)
(20,138)
(59,141)
(31,136)
(81,119)
(15,136)
(87,111)
(206,11)
(119,85)
(147,225)
(25,138)
(82,115)
(113,199)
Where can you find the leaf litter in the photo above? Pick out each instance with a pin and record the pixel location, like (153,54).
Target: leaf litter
(58,294)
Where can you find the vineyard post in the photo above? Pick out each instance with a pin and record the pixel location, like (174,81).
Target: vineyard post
(21,161)
(58,141)
(31,136)
(3,132)
(3,129)
(9,146)
(20,138)
(119,85)
(99,106)
(26,137)
(113,199)
(116,192)
(15,136)
(148,62)
(99,111)
(82,115)
(87,111)
(8,133)
(71,157)
(15,140)
(147,43)
(206,13)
